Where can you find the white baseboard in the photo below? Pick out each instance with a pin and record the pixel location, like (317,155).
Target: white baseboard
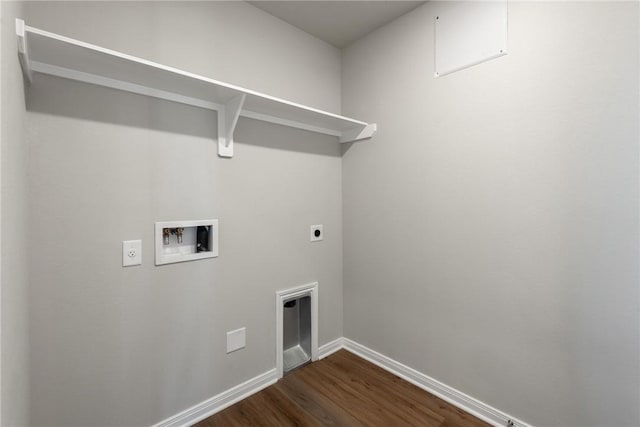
(455,397)
(330,348)
(221,401)
(235,394)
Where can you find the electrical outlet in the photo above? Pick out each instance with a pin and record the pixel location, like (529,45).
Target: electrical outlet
(131,252)
(317,233)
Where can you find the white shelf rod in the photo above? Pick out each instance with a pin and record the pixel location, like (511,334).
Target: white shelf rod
(228,113)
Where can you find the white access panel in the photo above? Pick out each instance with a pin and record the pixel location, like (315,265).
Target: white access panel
(468,33)
(236,339)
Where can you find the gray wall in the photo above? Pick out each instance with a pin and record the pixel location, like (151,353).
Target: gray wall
(14,284)
(132,346)
(491,227)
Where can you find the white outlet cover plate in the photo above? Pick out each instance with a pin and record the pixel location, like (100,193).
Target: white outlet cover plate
(131,252)
(312,233)
(236,339)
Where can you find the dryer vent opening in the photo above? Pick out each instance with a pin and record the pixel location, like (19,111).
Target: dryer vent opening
(296,327)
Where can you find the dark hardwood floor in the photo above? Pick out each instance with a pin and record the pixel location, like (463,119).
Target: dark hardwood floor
(342,390)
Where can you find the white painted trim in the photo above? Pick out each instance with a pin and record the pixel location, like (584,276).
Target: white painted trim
(220,401)
(331,347)
(359,133)
(137,89)
(281,296)
(290,123)
(229,104)
(23,51)
(228,119)
(235,394)
(131,58)
(455,397)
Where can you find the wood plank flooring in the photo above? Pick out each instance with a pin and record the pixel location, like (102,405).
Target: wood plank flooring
(342,390)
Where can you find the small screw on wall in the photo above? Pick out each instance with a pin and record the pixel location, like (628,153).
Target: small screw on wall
(510,423)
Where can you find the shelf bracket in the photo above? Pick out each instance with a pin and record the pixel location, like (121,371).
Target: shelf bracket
(227,120)
(359,133)
(23,51)
(42,52)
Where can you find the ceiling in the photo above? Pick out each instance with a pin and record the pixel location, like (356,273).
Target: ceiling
(337,22)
